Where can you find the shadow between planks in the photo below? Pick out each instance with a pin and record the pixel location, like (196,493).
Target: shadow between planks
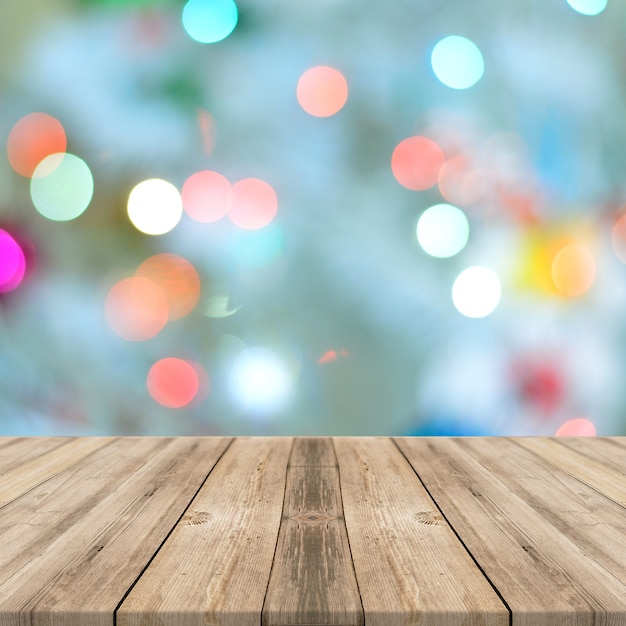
(281,531)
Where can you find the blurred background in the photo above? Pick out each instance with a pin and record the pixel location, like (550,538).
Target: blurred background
(329,217)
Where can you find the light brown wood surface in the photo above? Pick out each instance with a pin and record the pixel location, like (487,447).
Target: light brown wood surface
(73,546)
(215,566)
(410,566)
(281,531)
(312,579)
(544,575)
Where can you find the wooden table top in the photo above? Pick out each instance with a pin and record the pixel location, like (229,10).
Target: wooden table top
(265,531)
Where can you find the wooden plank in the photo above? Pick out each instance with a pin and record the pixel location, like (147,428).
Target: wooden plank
(543,576)
(312,452)
(594,473)
(312,579)
(17,450)
(86,535)
(25,476)
(410,567)
(594,523)
(36,520)
(215,566)
(610,451)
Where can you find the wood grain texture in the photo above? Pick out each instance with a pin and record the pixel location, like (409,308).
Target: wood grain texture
(312,579)
(40,518)
(596,524)
(410,567)
(214,568)
(15,451)
(596,474)
(312,531)
(610,451)
(544,576)
(23,477)
(312,452)
(74,546)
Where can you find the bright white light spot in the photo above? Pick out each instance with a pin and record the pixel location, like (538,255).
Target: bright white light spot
(155,206)
(442,230)
(457,62)
(476,291)
(260,381)
(588,7)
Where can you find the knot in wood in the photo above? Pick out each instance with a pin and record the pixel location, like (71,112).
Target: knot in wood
(427,518)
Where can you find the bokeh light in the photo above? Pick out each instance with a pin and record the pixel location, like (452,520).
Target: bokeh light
(579,427)
(573,269)
(462,183)
(220,306)
(136,308)
(476,291)
(207,196)
(539,245)
(209,21)
(450,178)
(61,187)
(155,206)
(618,238)
(588,7)
(379,178)
(540,383)
(416,161)
(32,139)
(442,230)
(173,382)
(254,204)
(457,62)
(322,91)
(178,280)
(332,355)
(12,262)
(260,381)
